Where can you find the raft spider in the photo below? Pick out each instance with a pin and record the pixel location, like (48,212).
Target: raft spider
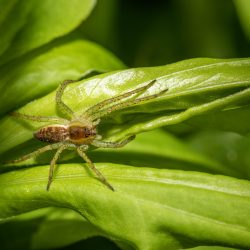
(80,131)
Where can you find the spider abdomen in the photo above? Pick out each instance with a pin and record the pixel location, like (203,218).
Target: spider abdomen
(53,133)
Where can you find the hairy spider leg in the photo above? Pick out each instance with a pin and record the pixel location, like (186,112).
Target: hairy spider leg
(101,177)
(60,104)
(53,163)
(105,144)
(37,152)
(125,104)
(102,104)
(39,118)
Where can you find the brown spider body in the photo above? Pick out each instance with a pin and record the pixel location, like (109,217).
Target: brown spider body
(75,133)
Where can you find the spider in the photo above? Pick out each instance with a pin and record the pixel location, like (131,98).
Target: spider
(79,132)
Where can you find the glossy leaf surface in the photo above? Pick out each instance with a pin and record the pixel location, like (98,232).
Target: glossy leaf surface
(195,88)
(38,23)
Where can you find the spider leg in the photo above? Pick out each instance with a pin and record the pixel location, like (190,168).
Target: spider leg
(125,104)
(106,144)
(96,122)
(92,166)
(102,104)
(37,152)
(39,118)
(61,105)
(53,163)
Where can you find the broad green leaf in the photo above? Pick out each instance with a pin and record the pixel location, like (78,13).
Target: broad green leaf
(69,226)
(39,22)
(195,87)
(5,8)
(150,209)
(39,75)
(243,8)
(11,11)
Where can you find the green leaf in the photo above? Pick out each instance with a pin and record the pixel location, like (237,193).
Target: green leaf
(5,8)
(151,208)
(40,74)
(39,22)
(46,228)
(10,12)
(243,8)
(69,226)
(213,248)
(196,87)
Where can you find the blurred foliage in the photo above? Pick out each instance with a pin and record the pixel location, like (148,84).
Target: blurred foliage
(149,33)
(243,7)
(169,196)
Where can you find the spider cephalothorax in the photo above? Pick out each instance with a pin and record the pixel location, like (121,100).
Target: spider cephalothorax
(79,132)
